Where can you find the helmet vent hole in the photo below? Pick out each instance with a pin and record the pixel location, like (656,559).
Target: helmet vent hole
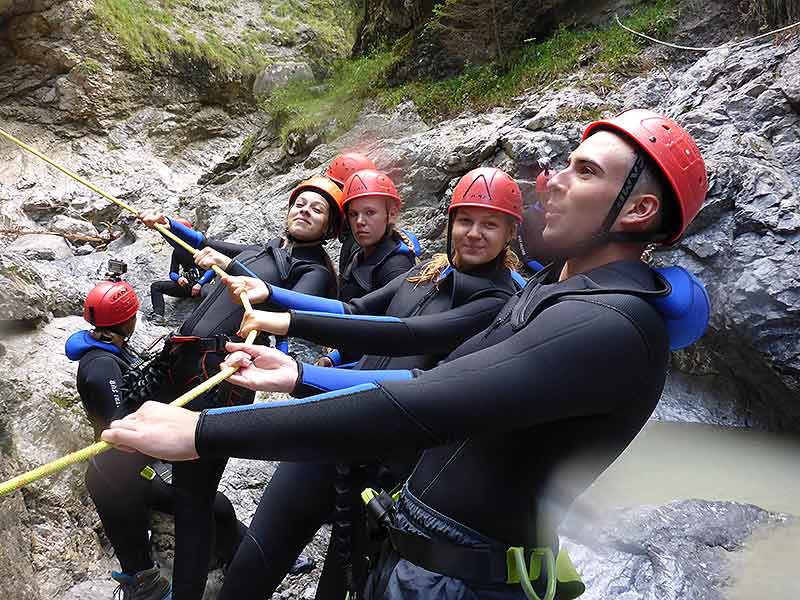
(653,139)
(665,126)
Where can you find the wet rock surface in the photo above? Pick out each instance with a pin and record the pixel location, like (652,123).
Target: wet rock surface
(181,149)
(678,551)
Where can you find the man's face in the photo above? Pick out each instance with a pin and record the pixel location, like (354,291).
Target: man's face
(307,220)
(580,195)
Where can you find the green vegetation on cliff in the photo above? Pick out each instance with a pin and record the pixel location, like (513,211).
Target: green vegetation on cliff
(232,37)
(606,51)
(154,34)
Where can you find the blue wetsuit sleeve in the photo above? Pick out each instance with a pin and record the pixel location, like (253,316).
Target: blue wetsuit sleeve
(313,380)
(282,344)
(194,238)
(207,276)
(291,299)
(237,269)
(360,334)
(335,357)
(573,361)
(174,276)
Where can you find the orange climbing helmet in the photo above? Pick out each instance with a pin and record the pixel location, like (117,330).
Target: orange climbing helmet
(328,190)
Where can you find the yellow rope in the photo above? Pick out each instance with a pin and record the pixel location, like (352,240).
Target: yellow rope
(105,195)
(97,448)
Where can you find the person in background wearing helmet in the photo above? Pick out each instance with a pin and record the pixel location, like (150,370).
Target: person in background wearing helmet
(185,279)
(424,314)
(122,496)
(296,261)
(520,419)
(371,205)
(339,171)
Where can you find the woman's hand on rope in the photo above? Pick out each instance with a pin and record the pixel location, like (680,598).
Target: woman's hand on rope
(157,430)
(261,369)
(276,323)
(151,216)
(323,361)
(257,291)
(208,257)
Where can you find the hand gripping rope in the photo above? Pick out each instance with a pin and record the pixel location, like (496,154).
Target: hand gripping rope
(89,451)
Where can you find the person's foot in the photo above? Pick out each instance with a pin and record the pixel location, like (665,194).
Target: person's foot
(144,585)
(156,318)
(303,564)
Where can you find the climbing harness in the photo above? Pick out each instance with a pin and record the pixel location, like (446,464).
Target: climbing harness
(483,565)
(88,452)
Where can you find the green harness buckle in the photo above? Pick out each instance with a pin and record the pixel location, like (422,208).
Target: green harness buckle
(562,577)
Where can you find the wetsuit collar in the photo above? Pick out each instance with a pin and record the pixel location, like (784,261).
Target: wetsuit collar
(286,256)
(632,277)
(361,268)
(492,278)
(80,342)
(638,274)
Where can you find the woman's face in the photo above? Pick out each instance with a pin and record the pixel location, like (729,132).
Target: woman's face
(307,220)
(369,218)
(479,235)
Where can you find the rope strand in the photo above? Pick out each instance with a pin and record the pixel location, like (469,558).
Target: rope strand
(699,48)
(88,452)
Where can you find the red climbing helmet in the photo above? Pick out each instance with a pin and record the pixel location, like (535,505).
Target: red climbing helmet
(182,221)
(370,182)
(488,187)
(110,303)
(673,150)
(346,164)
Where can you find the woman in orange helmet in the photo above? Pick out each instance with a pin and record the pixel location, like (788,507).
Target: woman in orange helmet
(296,260)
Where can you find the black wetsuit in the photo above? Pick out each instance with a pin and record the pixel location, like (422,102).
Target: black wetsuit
(181,265)
(361,275)
(517,422)
(300,267)
(421,323)
(122,496)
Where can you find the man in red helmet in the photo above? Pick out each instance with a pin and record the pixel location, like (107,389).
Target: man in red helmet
(517,421)
(186,279)
(121,494)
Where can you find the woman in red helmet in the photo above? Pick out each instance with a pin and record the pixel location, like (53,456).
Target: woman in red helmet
(186,279)
(371,206)
(121,494)
(339,171)
(520,419)
(380,251)
(408,324)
